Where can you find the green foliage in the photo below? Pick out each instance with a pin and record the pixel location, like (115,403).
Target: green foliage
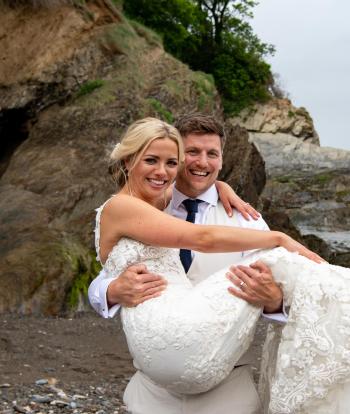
(89,87)
(118,4)
(205,86)
(171,19)
(323,178)
(34,3)
(152,37)
(212,36)
(161,110)
(120,38)
(283,179)
(85,271)
(241,78)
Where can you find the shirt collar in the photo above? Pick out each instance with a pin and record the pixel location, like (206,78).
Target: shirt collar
(209,196)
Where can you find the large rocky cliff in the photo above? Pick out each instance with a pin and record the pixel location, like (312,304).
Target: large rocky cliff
(307,192)
(71,80)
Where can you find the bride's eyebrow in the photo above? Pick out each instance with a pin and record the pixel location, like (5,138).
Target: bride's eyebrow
(151,155)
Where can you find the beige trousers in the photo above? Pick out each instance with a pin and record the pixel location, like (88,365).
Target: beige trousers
(235,395)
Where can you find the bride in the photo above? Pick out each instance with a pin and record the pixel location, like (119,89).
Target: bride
(189,339)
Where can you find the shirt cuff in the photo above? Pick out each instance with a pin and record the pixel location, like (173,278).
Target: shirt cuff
(107,312)
(98,296)
(280,317)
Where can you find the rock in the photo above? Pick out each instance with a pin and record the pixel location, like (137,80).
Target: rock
(310,185)
(284,154)
(42,398)
(63,52)
(59,403)
(279,116)
(243,167)
(23,410)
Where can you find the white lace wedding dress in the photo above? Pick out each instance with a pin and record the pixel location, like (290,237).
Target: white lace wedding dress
(189,339)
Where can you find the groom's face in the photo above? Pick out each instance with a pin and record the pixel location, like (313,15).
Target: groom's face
(203,161)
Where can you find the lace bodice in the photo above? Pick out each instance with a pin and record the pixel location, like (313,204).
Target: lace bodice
(127,252)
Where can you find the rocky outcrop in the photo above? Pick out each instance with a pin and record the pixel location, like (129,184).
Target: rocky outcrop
(65,100)
(243,166)
(310,186)
(47,53)
(279,116)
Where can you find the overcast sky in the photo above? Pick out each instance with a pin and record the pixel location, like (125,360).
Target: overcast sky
(312,40)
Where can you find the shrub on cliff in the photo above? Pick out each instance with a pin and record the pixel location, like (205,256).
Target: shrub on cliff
(212,36)
(35,3)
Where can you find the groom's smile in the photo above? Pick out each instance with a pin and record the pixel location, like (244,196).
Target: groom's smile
(199,173)
(203,161)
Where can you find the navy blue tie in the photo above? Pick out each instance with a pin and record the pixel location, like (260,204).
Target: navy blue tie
(192,208)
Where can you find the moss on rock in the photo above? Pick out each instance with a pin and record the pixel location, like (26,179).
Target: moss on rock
(85,268)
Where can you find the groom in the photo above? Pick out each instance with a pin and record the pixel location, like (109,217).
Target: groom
(203,140)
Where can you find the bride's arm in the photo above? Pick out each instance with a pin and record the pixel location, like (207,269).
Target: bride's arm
(126,216)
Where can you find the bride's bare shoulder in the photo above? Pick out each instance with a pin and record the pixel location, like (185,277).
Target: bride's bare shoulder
(123,205)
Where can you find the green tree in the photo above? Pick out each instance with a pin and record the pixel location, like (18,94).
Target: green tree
(172,19)
(213,36)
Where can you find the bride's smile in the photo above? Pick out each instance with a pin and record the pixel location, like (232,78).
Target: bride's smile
(155,171)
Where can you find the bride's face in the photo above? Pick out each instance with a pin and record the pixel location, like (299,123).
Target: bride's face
(155,171)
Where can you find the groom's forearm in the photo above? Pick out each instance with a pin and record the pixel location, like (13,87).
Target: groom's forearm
(276,303)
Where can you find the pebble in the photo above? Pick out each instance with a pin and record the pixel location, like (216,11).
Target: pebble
(52,381)
(61,394)
(42,398)
(104,398)
(41,381)
(19,409)
(59,403)
(79,397)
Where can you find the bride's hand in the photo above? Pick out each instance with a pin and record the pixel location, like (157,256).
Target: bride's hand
(293,246)
(230,199)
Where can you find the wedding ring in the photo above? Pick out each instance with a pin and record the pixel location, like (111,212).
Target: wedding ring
(241,284)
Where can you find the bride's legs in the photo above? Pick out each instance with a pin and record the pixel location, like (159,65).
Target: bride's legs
(189,339)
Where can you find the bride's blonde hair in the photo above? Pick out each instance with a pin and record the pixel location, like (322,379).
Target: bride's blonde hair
(136,140)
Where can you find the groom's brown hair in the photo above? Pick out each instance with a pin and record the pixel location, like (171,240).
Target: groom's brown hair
(200,124)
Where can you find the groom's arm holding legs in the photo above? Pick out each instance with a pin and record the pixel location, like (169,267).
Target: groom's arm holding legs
(255,284)
(130,288)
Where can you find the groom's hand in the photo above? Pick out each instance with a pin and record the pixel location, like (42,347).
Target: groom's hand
(256,286)
(134,286)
